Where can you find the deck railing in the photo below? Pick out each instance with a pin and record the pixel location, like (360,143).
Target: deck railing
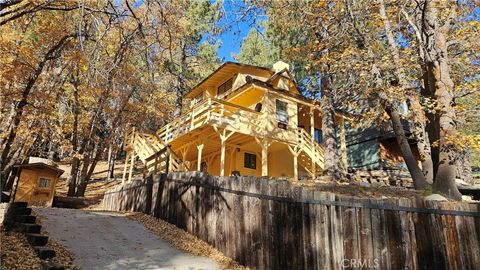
(310,146)
(213,111)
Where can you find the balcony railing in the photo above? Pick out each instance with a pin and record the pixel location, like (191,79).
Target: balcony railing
(214,112)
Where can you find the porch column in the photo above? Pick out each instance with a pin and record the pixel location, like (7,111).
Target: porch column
(224,135)
(264,144)
(295,167)
(222,158)
(265,158)
(312,134)
(295,150)
(343,145)
(199,156)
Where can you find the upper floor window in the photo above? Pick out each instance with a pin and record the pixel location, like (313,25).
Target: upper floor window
(225,86)
(282,111)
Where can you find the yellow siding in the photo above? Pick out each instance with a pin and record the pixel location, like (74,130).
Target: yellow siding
(230,121)
(28,190)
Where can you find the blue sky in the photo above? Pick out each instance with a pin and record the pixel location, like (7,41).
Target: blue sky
(237,23)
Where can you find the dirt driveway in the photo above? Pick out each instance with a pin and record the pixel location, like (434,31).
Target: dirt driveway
(106,240)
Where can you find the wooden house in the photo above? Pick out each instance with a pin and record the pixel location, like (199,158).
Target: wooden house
(376,148)
(36,183)
(241,119)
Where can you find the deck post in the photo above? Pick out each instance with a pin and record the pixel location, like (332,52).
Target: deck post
(295,153)
(199,156)
(132,161)
(125,168)
(343,145)
(224,135)
(265,158)
(295,167)
(222,157)
(312,134)
(167,159)
(264,144)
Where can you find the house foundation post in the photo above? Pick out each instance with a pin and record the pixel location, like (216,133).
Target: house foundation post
(295,150)
(125,168)
(199,156)
(222,158)
(224,135)
(265,159)
(132,163)
(264,144)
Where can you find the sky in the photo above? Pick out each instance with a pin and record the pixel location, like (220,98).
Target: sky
(238,23)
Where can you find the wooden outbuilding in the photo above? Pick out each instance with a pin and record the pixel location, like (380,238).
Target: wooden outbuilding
(36,183)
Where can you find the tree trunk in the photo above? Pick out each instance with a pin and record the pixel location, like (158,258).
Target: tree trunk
(179,99)
(112,153)
(418,178)
(436,49)
(72,179)
(329,134)
(87,172)
(82,183)
(418,121)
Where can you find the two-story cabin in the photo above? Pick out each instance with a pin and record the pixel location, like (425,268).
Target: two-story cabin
(241,119)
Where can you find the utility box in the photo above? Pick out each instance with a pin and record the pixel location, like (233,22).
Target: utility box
(36,183)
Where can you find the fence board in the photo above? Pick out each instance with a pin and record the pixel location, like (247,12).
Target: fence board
(271,224)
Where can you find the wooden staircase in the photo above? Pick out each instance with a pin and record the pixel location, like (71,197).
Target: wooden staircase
(154,154)
(311,152)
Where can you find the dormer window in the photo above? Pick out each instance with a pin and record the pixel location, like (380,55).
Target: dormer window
(225,87)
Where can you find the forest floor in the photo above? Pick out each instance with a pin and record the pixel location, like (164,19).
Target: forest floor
(95,189)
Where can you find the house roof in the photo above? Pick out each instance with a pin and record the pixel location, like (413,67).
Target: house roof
(39,165)
(218,76)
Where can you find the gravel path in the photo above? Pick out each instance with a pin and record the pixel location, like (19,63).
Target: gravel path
(107,240)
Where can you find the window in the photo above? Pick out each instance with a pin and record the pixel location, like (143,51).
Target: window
(44,182)
(250,161)
(258,107)
(225,86)
(318,135)
(282,112)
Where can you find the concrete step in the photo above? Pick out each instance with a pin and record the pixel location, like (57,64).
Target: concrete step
(48,265)
(27,227)
(24,218)
(20,211)
(36,239)
(44,252)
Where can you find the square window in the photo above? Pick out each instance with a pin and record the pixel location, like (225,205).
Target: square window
(44,182)
(250,161)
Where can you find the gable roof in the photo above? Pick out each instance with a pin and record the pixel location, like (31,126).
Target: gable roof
(39,165)
(218,76)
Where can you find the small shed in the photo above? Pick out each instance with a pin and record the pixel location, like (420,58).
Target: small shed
(36,183)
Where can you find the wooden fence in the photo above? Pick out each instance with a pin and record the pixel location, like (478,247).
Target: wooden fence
(269,224)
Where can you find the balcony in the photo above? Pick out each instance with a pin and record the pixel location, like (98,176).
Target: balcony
(214,112)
